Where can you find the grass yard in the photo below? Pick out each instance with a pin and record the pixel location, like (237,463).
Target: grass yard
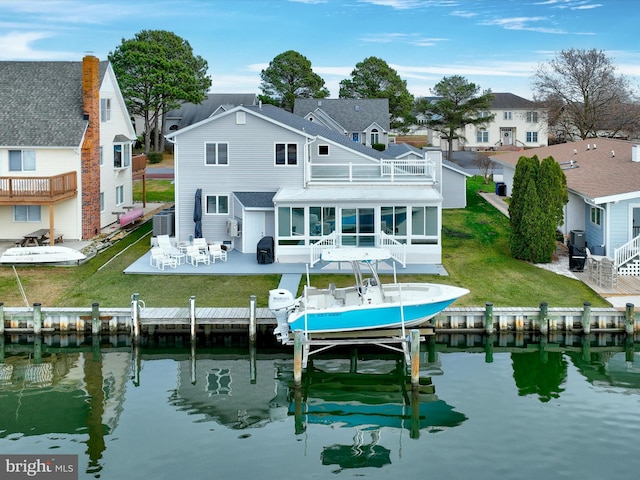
(475,253)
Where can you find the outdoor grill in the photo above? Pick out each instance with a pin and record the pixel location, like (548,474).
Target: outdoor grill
(577,250)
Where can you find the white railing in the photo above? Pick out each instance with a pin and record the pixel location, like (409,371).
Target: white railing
(316,248)
(398,250)
(387,171)
(626,252)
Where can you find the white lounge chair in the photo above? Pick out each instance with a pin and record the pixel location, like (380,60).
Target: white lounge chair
(216,251)
(201,243)
(159,259)
(164,242)
(196,256)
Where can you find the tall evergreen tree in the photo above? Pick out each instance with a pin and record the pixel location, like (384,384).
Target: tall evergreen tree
(536,209)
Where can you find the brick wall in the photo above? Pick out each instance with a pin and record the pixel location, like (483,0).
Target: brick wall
(90,161)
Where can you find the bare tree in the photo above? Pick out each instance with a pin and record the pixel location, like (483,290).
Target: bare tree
(485,165)
(584,95)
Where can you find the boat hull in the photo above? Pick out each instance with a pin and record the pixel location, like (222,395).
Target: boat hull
(42,254)
(366,317)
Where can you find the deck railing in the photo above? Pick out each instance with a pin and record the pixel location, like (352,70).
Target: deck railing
(627,252)
(387,171)
(35,189)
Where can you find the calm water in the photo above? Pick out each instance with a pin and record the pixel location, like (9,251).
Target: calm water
(498,411)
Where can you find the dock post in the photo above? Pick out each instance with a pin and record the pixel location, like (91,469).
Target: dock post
(297,358)
(488,318)
(586,318)
(252,320)
(543,320)
(135,321)
(95,318)
(1,318)
(415,358)
(628,324)
(37,318)
(192,317)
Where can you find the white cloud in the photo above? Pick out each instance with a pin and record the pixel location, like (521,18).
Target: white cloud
(19,46)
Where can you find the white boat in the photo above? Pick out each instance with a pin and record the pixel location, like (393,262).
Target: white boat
(366,305)
(41,254)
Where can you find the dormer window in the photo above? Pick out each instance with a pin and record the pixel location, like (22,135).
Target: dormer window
(121,155)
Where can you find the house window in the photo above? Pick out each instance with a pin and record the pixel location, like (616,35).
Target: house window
(105,110)
(375,137)
(217,204)
(393,221)
(532,137)
(22,160)
(119,195)
(216,153)
(424,225)
(121,155)
(532,117)
(291,223)
(323,149)
(286,153)
(355,136)
(26,213)
(596,216)
(482,136)
(102,201)
(101,155)
(483,114)
(507,115)
(322,221)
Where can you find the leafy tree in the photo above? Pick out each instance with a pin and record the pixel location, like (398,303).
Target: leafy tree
(458,104)
(374,78)
(584,95)
(536,209)
(289,75)
(156,71)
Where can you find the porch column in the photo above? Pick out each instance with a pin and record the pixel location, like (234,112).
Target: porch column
(51,224)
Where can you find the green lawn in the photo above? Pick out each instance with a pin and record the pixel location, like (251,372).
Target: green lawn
(475,254)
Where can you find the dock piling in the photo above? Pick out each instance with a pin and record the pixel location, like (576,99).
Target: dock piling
(37,318)
(629,319)
(252,320)
(297,358)
(543,319)
(415,358)
(192,317)
(95,318)
(586,317)
(1,318)
(488,318)
(135,317)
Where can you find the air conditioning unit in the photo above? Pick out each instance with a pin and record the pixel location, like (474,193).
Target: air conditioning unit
(163,224)
(233,228)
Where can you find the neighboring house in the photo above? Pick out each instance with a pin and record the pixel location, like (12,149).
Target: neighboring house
(190,113)
(65,148)
(267,172)
(363,120)
(603,179)
(518,123)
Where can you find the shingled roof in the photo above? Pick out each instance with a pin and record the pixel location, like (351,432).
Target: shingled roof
(356,115)
(603,167)
(41,104)
(190,113)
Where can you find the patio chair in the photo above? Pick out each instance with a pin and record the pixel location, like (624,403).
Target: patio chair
(216,251)
(164,242)
(201,243)
(195,256)
(159,259)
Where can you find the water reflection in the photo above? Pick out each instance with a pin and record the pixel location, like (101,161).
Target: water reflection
(79,393)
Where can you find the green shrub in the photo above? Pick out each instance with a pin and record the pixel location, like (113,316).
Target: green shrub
(155,157)
(379,146)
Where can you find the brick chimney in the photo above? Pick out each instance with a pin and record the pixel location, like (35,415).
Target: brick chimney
(90,157)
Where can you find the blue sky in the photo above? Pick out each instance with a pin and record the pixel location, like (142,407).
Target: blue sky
(496,44)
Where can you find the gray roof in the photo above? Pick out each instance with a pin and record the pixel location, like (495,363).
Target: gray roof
(355,115)
(255,199)
(311,128)
(41,103)
(509,100)
(190,113)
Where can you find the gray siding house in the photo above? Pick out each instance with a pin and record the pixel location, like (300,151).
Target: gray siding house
(363,120)
(603,180)
(267,172)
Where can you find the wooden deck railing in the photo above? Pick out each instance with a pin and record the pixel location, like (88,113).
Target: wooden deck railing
(17,190)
